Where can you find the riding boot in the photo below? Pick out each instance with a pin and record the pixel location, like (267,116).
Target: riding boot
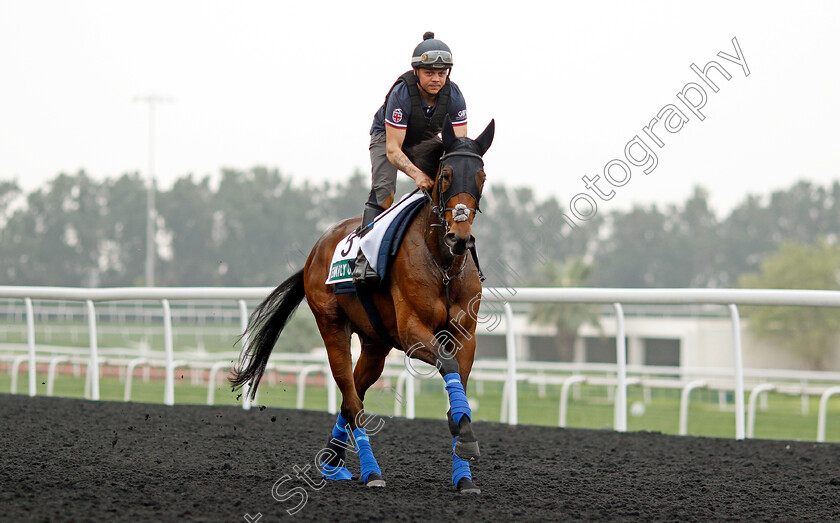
(363,273)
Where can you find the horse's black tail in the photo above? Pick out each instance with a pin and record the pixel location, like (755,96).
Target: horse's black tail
(264,327)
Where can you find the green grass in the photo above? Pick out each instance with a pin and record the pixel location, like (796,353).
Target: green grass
(590,408)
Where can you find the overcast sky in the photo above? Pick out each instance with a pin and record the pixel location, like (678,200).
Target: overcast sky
(295,85)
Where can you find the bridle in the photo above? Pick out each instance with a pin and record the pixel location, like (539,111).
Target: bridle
(459,213)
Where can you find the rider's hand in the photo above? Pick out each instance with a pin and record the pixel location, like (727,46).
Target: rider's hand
(424,183)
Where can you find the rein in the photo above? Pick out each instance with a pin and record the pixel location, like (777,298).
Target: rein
(360,232)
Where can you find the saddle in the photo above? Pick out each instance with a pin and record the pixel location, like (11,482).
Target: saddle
(380,244)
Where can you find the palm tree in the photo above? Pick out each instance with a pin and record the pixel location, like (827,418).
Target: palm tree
(565,317)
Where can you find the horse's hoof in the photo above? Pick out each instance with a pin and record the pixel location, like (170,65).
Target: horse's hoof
(467,450)
(465,486)
(375,480)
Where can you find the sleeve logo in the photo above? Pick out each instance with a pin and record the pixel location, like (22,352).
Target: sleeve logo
(397,116)
(462,114)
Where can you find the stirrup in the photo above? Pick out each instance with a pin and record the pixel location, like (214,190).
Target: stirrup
(363,273)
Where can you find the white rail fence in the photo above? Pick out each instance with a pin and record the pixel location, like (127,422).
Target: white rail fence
(510,371)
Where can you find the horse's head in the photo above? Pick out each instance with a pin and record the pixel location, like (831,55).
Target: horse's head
(459,183)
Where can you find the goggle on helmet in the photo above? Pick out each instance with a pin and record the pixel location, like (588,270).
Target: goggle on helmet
(431,54)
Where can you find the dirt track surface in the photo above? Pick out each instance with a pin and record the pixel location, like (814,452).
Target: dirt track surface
(76,460)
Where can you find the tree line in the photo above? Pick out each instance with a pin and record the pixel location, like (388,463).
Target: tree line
(255,227)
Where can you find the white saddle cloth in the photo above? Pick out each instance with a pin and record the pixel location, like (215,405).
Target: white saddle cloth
(348,248)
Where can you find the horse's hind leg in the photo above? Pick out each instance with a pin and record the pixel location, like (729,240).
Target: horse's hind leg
(337,340)
(369,367)
(332,459)
(368,370)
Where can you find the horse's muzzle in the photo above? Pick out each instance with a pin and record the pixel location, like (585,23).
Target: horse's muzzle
(458,246)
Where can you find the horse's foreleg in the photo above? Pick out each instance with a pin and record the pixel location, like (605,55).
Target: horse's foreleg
(455,369)
(464,443)
(459,415)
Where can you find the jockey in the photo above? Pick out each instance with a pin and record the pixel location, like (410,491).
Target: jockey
(414,110)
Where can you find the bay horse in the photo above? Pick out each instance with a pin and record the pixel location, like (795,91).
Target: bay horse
(432,293)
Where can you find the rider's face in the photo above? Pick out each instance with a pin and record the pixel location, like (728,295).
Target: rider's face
(432,80)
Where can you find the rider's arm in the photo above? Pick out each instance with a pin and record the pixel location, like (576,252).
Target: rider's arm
(460,130)
(394,139)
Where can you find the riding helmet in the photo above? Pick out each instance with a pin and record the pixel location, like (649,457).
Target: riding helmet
(431,54)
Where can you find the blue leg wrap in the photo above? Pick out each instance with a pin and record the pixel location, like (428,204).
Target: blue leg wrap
(339,433)
(460,468)
(366,459)
(340,430)
(457,397)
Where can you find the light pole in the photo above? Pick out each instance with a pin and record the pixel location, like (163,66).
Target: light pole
(152,100)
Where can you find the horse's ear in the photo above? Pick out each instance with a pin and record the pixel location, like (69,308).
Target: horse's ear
(486,137)
(448,133)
